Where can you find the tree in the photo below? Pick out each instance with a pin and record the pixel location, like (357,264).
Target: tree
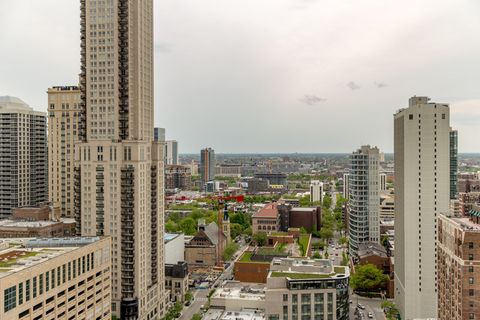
(319,245)
(196,316)
(342,241)
(174,216)
(188,226)
(385,241)
(230,250)
(188,296)
(260,238)
(327,201)
(317,255)
(235,230)
(171,226)
(344,259)
(368,278)
(391,310)
(326,233)
(303,230)
(305,201)
(248,231)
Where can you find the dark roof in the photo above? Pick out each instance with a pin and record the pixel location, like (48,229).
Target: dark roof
(371,249)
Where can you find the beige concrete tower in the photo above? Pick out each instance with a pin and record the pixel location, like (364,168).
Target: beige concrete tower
(118,167)
(422,192)
(63,114)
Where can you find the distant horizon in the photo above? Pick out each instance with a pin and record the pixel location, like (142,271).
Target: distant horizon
(300,153)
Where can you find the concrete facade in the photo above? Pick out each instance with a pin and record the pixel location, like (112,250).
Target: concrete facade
(56,279)
(422,192)
(23,150)
(316,191)
(63,117)
(119,168)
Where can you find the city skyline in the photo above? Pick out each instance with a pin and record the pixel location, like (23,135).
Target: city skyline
(297,83)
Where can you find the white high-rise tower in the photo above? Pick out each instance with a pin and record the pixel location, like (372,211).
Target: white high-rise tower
(316,191)
(422,169)
(363,198)
(119,180)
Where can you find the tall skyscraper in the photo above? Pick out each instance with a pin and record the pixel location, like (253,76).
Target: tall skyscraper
(422,192)
(23,150)
(119,175)
(171,152)
(346,184)
(159,134)
(453,163)
(316,191)
(207,165)
(363,198)
(63,115)
(383,181)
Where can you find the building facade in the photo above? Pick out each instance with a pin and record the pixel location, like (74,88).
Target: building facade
(171,152)
(119,178)
(422,192)
(207,165)
(266,219)
(63,115)
(316,191)
(453,163)
(346,185)
(458,268)
(383,182)
(176,280)
(363,198)
(63,278)
(177,176)
(23,149)
(307,289)
(159,134)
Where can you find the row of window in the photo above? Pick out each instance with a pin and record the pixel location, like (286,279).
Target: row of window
(46,281)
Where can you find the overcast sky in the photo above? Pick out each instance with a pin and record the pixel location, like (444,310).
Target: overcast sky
(272,75)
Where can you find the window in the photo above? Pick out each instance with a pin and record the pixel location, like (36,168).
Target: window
(9,298)
(410,116)
(285,297)
(470,245)
(294,298)
(470,269)
(34,287)
(443,115)
(40,284)
(470,257)
(27,290)
(470,280)
(471,292)
(20,293)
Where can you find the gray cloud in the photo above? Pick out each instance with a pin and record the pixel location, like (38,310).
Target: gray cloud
(312,100)
(380,85)
(353,86)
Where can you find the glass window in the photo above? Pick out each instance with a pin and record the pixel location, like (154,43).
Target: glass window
(40,284)
(9,298)
(20,293)
(27,290)
(285,297)
(34,287)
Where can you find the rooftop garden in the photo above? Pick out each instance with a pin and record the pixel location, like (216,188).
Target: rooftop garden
(11,258)
(339,270)
(303,243)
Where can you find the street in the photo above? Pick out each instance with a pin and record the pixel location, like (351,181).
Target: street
(371,305)
(200,297)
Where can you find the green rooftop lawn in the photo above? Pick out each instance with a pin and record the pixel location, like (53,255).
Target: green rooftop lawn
(339,270)
(293,275)
(303,243)
(10,262)
(246,257)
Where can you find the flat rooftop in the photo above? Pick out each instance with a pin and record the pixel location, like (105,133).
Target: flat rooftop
(298,268)
(466,224)
(218,314)
(170,236)
(9,223)
(20,254)
(240,292)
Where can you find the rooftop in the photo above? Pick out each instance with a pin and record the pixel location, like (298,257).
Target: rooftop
(219,314)
(296,268)
(20,254)
(371,249)
(268,211)
(9,223)
(467,224)
(240,292)
(170,236)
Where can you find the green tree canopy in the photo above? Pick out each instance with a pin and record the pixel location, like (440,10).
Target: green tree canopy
(368,278)
(327,201)
(188,226)
(260,238)
(235,230)
(326,233)
(391,310)
(230,250)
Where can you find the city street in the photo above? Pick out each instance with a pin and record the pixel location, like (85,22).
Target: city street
(371,305)
(200,298)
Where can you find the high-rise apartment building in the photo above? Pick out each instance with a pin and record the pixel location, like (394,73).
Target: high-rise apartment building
(119,179)
(453,163)
(363,198)
(458,264)
(159,134)
(207,165)
(316,191)
(23,150)
(171,152)
(422,192)
(55,278)
(63,115)
(383,182)
(346,184)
